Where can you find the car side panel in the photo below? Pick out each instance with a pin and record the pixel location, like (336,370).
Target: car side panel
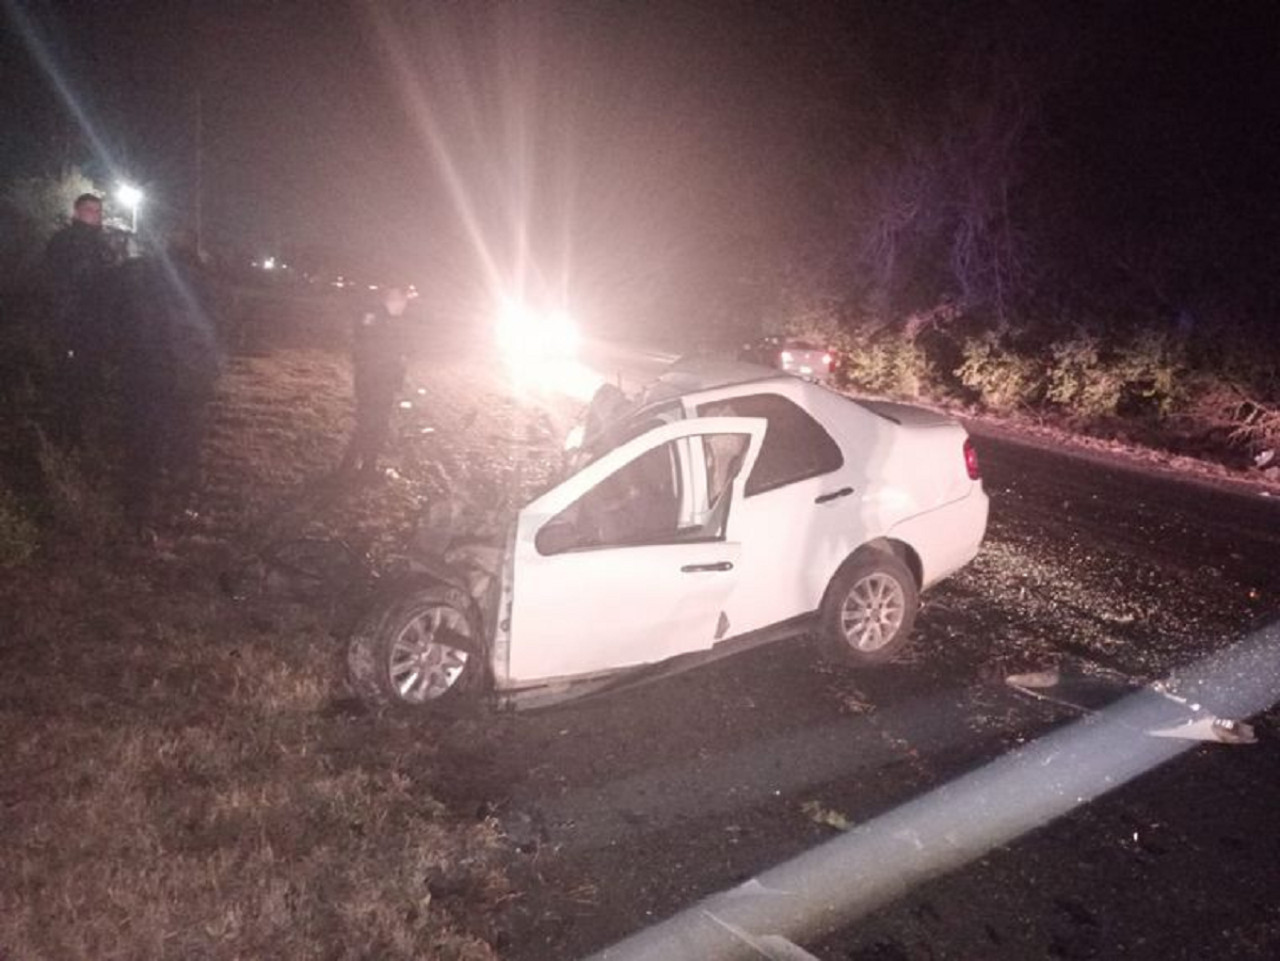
(910,484)
(947,537)
(792,545)
(790,548)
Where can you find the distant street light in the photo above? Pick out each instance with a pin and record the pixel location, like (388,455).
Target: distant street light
(131,197)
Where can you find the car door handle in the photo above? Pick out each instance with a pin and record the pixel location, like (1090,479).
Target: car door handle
(834,495)
(699,568)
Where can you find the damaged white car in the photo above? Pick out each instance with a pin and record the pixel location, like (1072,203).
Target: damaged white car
(728,506)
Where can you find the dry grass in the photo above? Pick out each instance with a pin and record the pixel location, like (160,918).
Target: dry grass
(178,786)
(185,776)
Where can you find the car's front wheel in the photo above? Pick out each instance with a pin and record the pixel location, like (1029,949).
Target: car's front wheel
(423,649)
(869,609)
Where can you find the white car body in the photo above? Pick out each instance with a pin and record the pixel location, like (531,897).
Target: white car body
(691,573)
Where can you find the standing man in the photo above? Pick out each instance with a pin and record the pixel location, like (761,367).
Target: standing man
(379,357)
(76,263)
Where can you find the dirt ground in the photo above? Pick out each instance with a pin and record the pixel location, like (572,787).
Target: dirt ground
(187,775)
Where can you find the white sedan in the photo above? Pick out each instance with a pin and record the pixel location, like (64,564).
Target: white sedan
(728,506)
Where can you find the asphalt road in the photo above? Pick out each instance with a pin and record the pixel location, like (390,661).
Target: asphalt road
(626,809)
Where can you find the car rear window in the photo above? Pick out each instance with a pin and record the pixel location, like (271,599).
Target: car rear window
(796,447)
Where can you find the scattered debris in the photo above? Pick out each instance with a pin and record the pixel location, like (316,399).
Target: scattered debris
(1212,729)
(854,702)
(1037,679)
(583,894)
(819,814)
(1086,690)
(1089,691)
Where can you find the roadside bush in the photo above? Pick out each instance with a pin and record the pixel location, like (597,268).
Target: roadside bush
(898,360)
(1078,381)
(1147,376)
(1154,373)
(1210,389)
(1001,377)
(1243,419)
(891,364)
(1236,390)
(19,536)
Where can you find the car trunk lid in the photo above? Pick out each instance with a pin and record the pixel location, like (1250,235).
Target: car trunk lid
(907,415)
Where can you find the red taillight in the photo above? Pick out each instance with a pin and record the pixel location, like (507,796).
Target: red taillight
(971,460)
(826,359)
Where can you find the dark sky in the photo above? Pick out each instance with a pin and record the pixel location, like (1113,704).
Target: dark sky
(622,146)
(619,134)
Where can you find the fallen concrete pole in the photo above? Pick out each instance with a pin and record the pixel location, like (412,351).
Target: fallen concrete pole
(831,886)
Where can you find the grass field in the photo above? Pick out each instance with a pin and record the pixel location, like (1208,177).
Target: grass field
(185,775)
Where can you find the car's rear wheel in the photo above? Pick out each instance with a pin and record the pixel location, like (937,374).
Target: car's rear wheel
(421,650)
(869,609)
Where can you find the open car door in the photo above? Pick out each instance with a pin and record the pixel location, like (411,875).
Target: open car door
(629,561)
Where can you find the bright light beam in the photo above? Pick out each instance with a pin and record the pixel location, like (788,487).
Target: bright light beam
(423,119)
(44,57)
(829,887)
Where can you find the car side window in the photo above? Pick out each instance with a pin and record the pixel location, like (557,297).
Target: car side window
(722,457)
(796,447)
(648,502)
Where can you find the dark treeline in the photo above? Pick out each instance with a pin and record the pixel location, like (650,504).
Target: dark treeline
(1058,207)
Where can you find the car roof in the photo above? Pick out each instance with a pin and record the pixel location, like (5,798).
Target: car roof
(701,375)
(716,380)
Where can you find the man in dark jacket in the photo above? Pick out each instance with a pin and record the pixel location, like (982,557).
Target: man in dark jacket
(77,261)
(379,356)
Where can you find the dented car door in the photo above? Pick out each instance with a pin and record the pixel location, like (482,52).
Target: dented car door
(629,561)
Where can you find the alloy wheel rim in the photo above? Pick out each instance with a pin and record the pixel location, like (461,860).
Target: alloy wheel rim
(421,667)
(873,612)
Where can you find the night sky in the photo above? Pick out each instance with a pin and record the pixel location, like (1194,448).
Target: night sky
(631,148)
